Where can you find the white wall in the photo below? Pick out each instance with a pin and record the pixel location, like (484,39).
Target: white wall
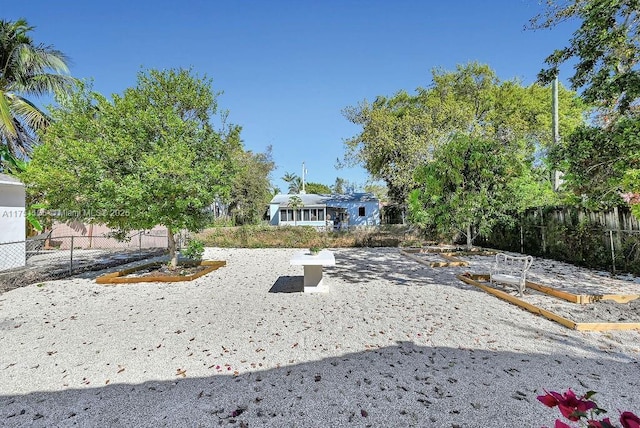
(274,213)
(12,226)
(372,212)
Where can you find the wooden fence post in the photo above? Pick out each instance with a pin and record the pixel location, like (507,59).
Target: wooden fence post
(542,232)
(613,253)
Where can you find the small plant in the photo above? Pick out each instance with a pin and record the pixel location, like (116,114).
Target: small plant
(314,250)
(584,411)
(194,250)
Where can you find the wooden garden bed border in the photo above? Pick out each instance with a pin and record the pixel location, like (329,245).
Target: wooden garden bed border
(450,257)
(569,297)
(583,326)
(450,251)
(582,299)
(120,276)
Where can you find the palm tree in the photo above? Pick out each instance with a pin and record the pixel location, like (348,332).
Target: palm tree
(295,182)
(289,177)
(26,69)
(295,203)
(295,186)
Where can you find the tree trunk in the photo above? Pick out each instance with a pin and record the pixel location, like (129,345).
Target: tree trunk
(521,233)
(469,240)
(173,253)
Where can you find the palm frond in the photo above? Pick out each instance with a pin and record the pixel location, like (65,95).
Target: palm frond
(20,144)
(38,59)
(6,117)
(26,112)
(45,83)
(27,69)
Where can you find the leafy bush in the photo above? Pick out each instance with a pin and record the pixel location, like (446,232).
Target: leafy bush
(194,250)
(306,236)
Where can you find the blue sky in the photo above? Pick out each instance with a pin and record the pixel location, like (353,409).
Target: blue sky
(288,68)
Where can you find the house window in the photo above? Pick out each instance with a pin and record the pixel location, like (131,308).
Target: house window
(305,215)
(361,212)
(286,215)
(298,215)
(321,215)
(314,214)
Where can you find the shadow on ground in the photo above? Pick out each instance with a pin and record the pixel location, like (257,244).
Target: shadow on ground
(362,265)
(87,264)
(288,284)
(403,385)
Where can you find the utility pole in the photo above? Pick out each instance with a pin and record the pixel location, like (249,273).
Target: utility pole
(304,171)
(554,106)
(557,175)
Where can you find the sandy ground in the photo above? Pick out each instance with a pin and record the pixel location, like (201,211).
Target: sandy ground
(392,343)
(568,278)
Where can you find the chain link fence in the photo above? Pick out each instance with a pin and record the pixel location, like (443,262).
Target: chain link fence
(45,257)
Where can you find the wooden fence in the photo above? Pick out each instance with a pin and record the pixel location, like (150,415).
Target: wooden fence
(599,239)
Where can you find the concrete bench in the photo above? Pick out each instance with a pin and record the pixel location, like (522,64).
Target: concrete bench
(313,268)
(511,270)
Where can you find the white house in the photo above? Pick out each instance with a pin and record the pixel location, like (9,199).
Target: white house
(353,209)
(12,223)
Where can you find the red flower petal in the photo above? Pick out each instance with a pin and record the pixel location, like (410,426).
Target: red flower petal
(570,395)
(585,405)
(560,424)
(568,412)
(629,420)
(548,400)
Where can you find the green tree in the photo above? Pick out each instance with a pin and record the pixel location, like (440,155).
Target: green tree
(631,182)
(294,181)
(251,188)
(392,144)
(531,189)
(27,69)
(339,186)
(9,163)
(465,189)
(295,203)
(317,188)
(149,157)
(401,133)
(379,190)
(606,46)
(599,162)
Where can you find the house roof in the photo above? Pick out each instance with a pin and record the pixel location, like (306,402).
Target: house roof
(354,197)
(8,179)
(320,200)
(308,199)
